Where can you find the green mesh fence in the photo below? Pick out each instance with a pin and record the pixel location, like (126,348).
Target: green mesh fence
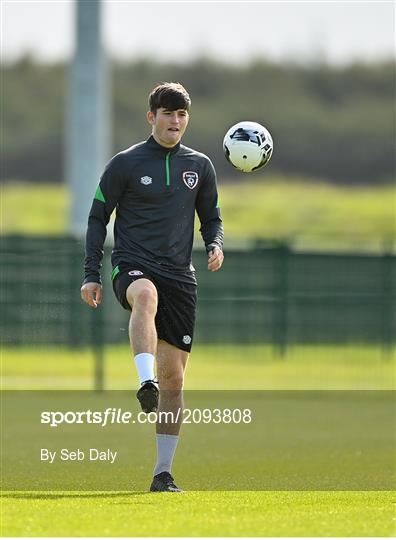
(267,295)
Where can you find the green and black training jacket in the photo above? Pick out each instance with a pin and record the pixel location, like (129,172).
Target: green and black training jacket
(155,191)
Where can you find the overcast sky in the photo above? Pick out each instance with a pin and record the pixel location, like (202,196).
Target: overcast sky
(338,31)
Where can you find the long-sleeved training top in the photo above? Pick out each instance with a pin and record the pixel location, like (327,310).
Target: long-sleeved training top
(155,191)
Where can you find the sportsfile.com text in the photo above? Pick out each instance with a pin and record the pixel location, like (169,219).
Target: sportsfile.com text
(118,416)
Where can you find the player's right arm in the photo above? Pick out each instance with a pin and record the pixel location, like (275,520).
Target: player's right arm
(91,293)
(108,193)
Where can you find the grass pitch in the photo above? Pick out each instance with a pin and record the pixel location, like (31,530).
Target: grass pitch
(200,514)
(210,367)
(203,513)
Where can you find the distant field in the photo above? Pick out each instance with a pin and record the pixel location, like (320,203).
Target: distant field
(310,214)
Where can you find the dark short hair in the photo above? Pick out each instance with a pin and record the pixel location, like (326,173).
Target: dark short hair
(169,95)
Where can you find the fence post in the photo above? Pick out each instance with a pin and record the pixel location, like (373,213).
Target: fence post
(281,319)
(73,304)
(388,300)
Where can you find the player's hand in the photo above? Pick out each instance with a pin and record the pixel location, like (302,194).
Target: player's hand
(91,293)
(215,259)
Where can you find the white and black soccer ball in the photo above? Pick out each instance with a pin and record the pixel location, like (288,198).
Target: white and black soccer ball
(248,146)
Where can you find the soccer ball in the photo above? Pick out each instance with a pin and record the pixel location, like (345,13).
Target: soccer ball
(248,146)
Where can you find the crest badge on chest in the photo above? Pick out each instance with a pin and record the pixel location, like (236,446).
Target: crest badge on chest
(190,178)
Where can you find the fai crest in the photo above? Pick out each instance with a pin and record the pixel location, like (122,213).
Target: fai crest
(190,178)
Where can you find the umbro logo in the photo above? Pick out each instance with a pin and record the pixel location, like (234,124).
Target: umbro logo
(146,180)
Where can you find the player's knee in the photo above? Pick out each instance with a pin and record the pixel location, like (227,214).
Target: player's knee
(144,296)
(147,297)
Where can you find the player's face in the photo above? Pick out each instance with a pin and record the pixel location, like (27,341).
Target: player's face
(168,126)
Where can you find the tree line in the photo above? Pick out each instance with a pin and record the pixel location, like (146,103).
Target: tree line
(327,122)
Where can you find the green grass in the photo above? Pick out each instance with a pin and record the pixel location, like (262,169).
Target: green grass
(311,214)
(200,514)
(210,367)
(211,513)
(34,208)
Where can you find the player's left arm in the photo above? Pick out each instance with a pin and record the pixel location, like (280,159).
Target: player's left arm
(215,259)
(208,210)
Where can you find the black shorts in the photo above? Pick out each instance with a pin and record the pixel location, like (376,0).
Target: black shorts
(177,301)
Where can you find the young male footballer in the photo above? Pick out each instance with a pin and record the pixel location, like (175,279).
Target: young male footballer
(156,187)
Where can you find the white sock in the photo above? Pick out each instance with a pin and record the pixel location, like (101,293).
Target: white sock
(166,448)
(144,363)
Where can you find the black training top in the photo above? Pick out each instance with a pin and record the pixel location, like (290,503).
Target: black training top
(155,191)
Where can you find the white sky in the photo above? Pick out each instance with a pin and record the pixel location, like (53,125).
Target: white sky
(338,31)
